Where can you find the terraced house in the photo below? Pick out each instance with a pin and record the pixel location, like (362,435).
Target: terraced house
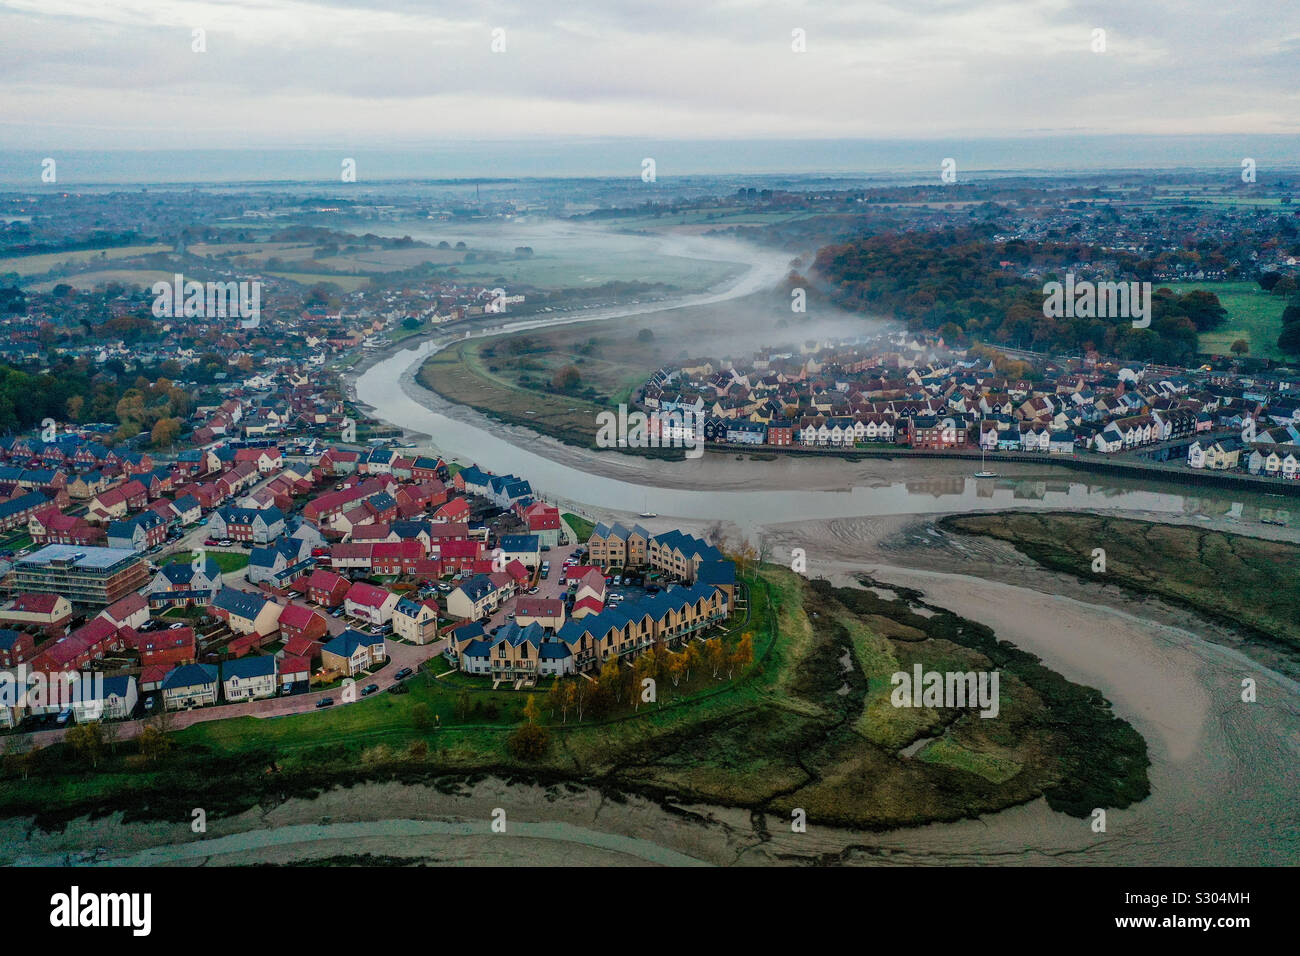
(617,546)
(523,652)
(246,524)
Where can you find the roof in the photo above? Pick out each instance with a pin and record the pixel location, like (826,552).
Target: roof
(346,644)
(87,558)
(248,667)
(190,675)
(368,594)
(240,603)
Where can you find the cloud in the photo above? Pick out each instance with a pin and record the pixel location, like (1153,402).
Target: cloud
(301,71)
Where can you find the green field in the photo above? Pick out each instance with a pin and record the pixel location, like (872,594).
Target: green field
(344,282)
(42,263)
(1253,315)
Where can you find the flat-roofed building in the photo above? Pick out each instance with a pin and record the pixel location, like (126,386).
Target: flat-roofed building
(96,576)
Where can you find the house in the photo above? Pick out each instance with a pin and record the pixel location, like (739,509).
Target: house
(297,621)
(618,546)
(548,612)
(1223,455)
(187,582)
(246,613)
(280,563)
(170,647)
(416,621)
(544,522)
(191,685)
(113,698)
(352,652)
(129,611)
(524,548)
(260,526)
(370,603)
(249,678)
(15,647)
(327,588)
(474,599)
(41,609)
(140,532)
(512,653)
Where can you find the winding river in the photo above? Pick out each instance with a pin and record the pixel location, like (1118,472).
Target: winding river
(1224,773)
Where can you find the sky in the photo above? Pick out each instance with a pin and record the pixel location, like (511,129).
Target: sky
(123,74)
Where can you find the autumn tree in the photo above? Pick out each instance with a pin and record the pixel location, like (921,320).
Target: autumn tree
(742,656)
(86,740)
(165,432)
(528,742)
(153,742)
(644,668)
(531,713)
(716,654)
(611,678)
(677,667)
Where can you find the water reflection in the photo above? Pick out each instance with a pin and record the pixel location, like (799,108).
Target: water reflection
(752,493)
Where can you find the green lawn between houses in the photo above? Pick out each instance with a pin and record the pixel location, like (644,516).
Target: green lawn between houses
(227,561)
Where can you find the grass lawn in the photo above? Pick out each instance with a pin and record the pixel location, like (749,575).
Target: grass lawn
(227,561)
(1253,315)
(581,527)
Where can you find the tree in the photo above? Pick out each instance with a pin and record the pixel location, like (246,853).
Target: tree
(645,667)
(531,713)
(611,678)
(1289,340)
(742,656)
(645,335)
(18,753)
(462,704)
(153,742)
(86,740)
(421,716)
(165,432)
(528,742)
(677,667)
(694,658)
(716,654)
(567,378)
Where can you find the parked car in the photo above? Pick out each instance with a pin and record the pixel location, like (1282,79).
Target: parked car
(404,673)
(324,702)
(369,689)
(64,716)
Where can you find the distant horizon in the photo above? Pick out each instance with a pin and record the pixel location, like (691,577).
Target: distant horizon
(885,159)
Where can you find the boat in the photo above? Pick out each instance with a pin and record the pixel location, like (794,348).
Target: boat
(982,473)
(648,514)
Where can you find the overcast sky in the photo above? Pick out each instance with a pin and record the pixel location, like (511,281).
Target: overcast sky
(282,73)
